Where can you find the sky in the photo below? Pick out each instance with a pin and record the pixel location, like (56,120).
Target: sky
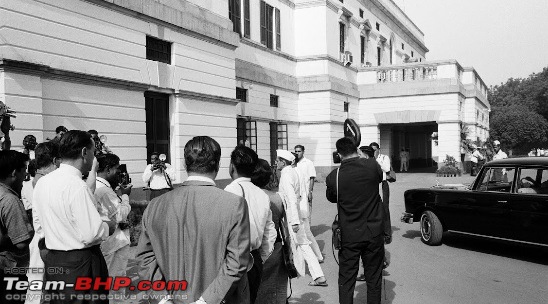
(501,39)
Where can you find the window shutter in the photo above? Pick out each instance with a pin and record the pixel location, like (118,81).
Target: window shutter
(278,31)
(247,20)
(263,23)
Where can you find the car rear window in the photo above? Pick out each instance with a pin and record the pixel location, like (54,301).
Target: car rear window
(497,179)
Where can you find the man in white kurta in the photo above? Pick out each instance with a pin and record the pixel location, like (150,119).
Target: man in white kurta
(115,207)
(290,191)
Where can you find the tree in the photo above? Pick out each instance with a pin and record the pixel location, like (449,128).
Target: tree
(519,128)
(519,112)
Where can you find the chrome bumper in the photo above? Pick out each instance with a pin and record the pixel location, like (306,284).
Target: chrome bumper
(407,218)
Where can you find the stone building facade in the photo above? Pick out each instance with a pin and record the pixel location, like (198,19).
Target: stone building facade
(271,74)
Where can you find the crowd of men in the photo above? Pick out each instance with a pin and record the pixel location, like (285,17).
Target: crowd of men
(62,207)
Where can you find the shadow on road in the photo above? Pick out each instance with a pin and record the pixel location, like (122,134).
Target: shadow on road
(307,298)
(523,252)
(319,229)
(388,293)
(412,234)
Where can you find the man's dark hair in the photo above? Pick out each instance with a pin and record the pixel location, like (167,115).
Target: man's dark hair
(262,174)
(155,153)
(45,153)
(73,142)
(244,160)
(107,161)
(299,146)
(346,146)
(202,155)
(60,128)
(368,150)
(374,144)
(93,132)
(31,169)
(11,160)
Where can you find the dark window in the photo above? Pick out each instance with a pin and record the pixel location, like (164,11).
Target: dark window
(342,1)
(157,123)
(241,94)
(267,32)
(234,14)
(346,107)
(158,50)
(377,26)
(247,20)
(362,48)
(403,46)
(342,28)
(379,56)
(246,133)
(497,179)
(273,101)
(361,13)
(391,50)
(278,31)
(278,139)
(420,60)
(412,54)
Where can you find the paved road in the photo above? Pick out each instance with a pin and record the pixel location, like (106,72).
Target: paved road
(462,270)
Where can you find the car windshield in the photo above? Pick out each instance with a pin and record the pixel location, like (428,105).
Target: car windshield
(497,179)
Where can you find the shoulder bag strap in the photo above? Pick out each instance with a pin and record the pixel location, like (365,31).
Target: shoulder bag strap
(337,182)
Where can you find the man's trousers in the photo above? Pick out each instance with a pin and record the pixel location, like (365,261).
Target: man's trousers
(385,203)
(372,254)
(87,262)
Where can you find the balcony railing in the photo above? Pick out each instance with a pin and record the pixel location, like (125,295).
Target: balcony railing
(408,74)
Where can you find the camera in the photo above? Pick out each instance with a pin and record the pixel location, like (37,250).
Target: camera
(162,164)
(124,175)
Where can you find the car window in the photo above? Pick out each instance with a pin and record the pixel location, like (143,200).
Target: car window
(497,179)
(533,181)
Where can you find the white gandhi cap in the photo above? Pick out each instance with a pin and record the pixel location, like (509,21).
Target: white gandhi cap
(285,155)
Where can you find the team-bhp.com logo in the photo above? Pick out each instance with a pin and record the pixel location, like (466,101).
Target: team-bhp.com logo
(96,284)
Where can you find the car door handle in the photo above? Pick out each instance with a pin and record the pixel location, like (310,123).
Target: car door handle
(504,202)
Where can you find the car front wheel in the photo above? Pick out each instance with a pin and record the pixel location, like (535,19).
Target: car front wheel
(431,229)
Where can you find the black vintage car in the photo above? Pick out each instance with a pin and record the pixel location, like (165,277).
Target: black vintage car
(508,201)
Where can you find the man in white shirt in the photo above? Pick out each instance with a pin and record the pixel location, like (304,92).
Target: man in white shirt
(114,206)
(306,168)
(384,162)
(262,230)
(475,159)
(67,211)
(307,174)
(159,176)
(499,154)
(29,144)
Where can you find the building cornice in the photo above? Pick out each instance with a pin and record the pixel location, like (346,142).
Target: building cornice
(263,119)
(179,20)
(52,73)
(400,24)
(321,122)
(261,47)
(325,57)
(206,97)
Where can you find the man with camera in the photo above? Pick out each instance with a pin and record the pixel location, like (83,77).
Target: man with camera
(354,187)
(158,175)
(113,203)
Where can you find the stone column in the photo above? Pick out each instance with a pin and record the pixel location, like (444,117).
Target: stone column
(448,140)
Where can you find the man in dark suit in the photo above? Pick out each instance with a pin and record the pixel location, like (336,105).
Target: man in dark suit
(198,233)
(361,220)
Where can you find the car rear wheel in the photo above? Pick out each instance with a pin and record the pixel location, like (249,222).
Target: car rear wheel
(431,229)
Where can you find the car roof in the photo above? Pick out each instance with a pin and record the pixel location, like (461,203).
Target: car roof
(521,161)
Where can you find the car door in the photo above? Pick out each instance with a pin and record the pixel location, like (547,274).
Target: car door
(485,210)
(529,205)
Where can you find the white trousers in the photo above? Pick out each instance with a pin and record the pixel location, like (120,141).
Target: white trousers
(312,239)
(311,260)
(34,296)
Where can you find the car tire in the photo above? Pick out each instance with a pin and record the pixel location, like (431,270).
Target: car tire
(431,229)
